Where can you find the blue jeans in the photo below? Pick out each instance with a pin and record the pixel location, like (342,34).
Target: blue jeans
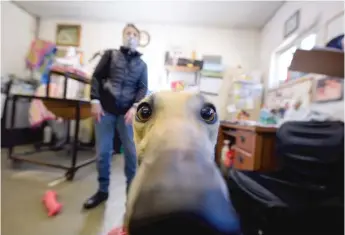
(105,132)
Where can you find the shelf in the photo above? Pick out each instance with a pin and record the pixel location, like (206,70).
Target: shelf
(183,69)
(249,82)
(73,76)
(210,77)
(209,93)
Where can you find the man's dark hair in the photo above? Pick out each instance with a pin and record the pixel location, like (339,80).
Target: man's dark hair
(131,26)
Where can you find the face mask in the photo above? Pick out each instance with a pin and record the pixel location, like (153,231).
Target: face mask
(132,43)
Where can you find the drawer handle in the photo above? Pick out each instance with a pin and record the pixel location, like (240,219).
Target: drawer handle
(240,159)
(242,138)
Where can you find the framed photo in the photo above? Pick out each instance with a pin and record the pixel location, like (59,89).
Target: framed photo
(292,24)
(68,35)
(328,89)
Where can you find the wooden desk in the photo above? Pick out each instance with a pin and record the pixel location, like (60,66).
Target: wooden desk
(254,146)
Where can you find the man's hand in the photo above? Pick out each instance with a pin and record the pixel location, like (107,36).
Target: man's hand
(129,116)
(97,111)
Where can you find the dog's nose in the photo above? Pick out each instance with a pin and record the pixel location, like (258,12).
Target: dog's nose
(182,193)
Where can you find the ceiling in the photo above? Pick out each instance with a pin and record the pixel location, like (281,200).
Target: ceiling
(239,14)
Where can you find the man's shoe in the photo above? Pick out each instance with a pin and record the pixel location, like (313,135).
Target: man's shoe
(95,200)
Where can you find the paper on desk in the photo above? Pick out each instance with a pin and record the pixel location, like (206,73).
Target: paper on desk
(250,103)
(231,108)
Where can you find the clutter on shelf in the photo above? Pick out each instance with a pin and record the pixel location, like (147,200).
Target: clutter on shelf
(174,57)
(177,85)
(176,63)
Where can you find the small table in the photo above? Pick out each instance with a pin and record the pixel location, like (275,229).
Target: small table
(68,109)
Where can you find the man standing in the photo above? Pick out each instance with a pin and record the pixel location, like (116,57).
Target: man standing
(119,82)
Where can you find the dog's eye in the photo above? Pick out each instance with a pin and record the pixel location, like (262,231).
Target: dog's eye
(208,114)
(144,112)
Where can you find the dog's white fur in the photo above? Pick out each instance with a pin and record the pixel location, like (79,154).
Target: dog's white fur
(174,124)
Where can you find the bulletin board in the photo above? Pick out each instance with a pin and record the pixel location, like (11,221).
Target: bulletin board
(245,96)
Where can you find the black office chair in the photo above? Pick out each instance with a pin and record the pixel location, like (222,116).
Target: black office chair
(306,194)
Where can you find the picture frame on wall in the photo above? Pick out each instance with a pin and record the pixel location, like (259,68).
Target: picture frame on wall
(328,89)
(68,35)
(334,27)
(144,38)
(291,24)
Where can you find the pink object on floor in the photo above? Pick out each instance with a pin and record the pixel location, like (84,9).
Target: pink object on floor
(118,231)
(51,203)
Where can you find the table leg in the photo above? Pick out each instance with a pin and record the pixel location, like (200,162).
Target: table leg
(68,137)
(48,85)
(167,78)
(12,120)
(71,172)
(65,87)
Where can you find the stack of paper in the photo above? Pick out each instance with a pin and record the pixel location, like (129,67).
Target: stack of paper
(212,67)
(211,75)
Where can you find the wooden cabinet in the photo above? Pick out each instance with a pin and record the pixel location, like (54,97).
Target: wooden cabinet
(245,140)
(254,146)
(244,160)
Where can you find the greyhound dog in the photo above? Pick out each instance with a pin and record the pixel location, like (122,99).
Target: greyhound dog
(178,188)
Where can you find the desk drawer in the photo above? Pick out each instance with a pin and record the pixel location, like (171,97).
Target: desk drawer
(245,140)
(243,160)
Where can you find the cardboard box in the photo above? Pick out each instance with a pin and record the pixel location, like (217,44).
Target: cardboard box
(327,62)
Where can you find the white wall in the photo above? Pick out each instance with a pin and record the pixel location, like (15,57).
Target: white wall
(310,12)
(236,46)
(17,33)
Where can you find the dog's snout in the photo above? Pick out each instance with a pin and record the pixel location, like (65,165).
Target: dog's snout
(182,189)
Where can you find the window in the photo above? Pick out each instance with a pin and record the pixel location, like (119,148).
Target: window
(308,42)
(284,58)
(284,61)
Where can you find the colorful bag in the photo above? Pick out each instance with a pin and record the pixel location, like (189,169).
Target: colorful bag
(38,51)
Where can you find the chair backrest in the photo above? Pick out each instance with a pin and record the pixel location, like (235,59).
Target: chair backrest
(312,152)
